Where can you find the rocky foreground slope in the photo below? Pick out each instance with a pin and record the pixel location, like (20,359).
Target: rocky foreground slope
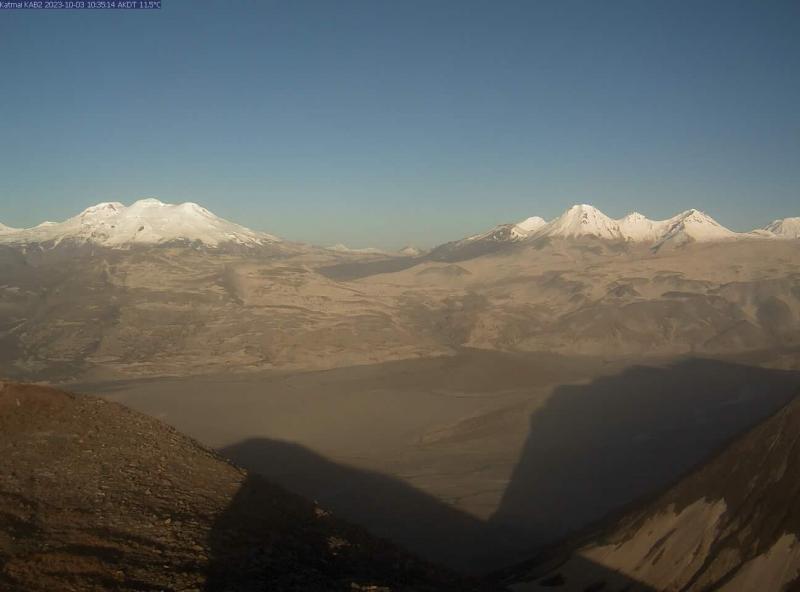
(94,496)
(732,525)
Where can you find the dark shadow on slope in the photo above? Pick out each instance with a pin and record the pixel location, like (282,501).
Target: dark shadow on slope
(386,506)
(567,574)
(461,251)
(594,448)
(591,450)
(360,269)
(270,539)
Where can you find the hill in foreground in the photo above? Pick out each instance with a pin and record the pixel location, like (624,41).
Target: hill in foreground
(731,525)
(94,496)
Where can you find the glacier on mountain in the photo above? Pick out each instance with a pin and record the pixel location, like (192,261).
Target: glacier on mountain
(145,222)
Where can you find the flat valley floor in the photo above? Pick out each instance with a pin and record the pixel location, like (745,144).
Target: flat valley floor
(474,459)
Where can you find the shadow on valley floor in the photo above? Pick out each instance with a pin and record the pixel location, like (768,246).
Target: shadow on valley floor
(577,575)
(270,539)
(361,269)
(387,506)
(591,450)
(595,448)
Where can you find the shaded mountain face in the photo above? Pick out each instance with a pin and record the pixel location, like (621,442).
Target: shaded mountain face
(496,239)
(96,497)
(731,525)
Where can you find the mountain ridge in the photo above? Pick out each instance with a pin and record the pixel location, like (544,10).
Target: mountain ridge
(150,221)
(784,227)
(145,222)
(584,221)
(730,524)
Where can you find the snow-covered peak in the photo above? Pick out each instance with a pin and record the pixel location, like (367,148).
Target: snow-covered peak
(638,228)
(501,233)
(701,224)
(103,209)
(582,220)
(531,224)
(784,228)
(96,214)
(410,251)
(693,226)
(585,220)
(152,202)
(147,221)
(634,217)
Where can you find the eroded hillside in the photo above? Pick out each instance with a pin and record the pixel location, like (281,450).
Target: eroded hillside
(731,525)
(174,310)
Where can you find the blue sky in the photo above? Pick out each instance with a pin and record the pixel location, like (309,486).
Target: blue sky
(384,123)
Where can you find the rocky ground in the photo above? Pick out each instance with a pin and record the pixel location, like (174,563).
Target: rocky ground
(94,496)
(732,525)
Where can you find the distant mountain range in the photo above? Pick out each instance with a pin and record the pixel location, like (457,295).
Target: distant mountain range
(152,222)
(584,220)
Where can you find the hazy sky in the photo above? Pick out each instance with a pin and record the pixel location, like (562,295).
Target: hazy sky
(391,122)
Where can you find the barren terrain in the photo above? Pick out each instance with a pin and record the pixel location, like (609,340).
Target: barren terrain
(472,410)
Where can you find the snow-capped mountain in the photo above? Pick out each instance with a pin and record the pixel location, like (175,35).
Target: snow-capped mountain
(511,232)
(531,224)
(582,220)
(638,228)
(585,220)
(410,251)
(146,222)
(152,222)
(784,228)
(500,233)
(693,226)
(485,242)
